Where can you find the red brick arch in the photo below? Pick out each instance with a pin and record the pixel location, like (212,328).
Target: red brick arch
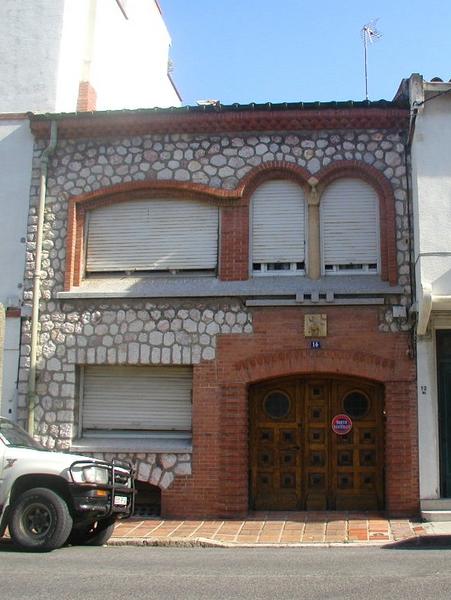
(234,243)
(124,192)
(303,362)
(234,219)
(360,170)
(272,170)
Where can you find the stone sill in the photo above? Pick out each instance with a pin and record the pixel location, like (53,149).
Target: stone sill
(201,287)
(132,445)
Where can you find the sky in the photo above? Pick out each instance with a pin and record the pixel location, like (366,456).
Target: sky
(303,50)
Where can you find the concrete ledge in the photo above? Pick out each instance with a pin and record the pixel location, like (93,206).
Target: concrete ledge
(436,515)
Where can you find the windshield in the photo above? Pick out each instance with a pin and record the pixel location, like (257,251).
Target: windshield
(14,436)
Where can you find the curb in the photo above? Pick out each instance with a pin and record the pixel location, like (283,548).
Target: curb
(207,543)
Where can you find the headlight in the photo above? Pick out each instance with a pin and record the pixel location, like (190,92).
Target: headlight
(91,474)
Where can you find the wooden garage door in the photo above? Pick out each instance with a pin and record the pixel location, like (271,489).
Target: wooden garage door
(297,462)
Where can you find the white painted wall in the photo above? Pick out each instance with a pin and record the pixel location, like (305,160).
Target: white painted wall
(16,150)
(130,57)
(71,53)
(431,194)
(44,45)
(431,152)
(30,36)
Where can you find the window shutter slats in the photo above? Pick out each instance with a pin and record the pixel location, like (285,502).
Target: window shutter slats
(153,235)
(278,223)
(137,398)
(349,223)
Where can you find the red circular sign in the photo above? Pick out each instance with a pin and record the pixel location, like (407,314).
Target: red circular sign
(341,424)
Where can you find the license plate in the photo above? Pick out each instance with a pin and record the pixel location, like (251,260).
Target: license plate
(120,500)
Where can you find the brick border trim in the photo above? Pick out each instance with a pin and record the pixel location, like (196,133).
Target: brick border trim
(234,204)
(245,118)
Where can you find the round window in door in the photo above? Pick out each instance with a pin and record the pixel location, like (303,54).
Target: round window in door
(356,404)
(277,405)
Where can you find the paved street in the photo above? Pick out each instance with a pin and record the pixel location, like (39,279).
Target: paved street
(213,573)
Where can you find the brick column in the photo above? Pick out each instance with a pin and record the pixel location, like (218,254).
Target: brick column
(234,243)
(234,451)
(87,97)
(401,448)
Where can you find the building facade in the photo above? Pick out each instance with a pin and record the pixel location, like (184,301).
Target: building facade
(224,301)
(431,194)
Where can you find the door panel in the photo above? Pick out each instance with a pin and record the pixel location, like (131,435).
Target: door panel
(316,412)
(277,448)
(444,405)
(298,462)
(444,387)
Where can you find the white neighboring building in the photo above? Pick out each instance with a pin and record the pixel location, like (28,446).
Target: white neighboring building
(16,148)
(54,49)
(64,56)
(431,197)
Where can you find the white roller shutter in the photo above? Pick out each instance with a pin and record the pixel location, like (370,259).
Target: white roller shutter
(137,398)
(153,235)
(349,223)
(278,223)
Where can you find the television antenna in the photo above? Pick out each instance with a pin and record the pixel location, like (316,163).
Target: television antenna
(369,34)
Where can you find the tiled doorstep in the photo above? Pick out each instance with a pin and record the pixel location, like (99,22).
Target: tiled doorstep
(272,529)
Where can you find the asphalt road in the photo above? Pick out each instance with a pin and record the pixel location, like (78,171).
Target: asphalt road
(133,573)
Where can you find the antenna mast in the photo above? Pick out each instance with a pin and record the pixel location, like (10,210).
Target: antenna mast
(369,34)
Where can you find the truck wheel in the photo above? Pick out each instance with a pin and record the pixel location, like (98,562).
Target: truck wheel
(94,534)
(40,520)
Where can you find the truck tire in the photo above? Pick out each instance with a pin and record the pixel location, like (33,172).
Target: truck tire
(40,520)
(94,534)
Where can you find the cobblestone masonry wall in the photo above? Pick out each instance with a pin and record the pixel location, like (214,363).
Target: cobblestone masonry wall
(137,332)
(156,469)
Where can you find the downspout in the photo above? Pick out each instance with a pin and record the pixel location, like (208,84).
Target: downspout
(408,167)
(37,276)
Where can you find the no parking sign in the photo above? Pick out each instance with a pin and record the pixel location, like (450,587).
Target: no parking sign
(341,424)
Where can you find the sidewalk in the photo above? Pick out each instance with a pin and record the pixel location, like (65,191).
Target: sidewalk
(275,528)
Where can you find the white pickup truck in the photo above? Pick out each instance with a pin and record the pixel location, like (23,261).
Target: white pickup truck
(49,498)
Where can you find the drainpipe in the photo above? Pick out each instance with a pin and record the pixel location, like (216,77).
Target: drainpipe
(37,277)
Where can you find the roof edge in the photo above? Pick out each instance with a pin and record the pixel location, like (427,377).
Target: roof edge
(211,119)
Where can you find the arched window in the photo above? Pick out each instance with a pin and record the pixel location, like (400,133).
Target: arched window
(349,214)
(278,228)
(167,235)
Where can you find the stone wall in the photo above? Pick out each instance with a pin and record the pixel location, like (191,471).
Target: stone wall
(116,333)
(156,469)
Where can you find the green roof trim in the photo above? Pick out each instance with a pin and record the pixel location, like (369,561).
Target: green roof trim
(236,107)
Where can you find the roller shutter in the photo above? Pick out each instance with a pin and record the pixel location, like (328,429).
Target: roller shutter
(155,235)
(349,224)
(137,398)
(278,223)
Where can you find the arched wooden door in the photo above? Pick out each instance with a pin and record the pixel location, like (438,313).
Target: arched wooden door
(297,462)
